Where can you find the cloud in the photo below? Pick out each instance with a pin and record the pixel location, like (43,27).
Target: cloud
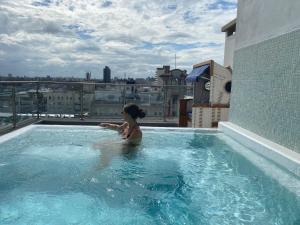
(222,4)
(41,3)
(135,37)
(190,17)
(106,4)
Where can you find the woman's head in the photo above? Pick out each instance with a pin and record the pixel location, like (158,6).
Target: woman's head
(134,111)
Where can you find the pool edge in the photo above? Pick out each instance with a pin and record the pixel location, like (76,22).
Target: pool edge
(10,135)
(281,155)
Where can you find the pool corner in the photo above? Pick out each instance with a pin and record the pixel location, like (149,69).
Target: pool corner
(279,154)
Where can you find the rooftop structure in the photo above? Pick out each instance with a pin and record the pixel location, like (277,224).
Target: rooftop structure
(229,29)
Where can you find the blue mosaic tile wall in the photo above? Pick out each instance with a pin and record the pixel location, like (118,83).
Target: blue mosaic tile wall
(266,89)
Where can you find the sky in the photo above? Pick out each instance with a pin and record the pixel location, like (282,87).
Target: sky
(133,37)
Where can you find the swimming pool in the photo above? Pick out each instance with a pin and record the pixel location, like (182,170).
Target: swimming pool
(75,175)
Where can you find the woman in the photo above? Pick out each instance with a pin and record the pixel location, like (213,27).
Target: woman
(130,129)
(130,132)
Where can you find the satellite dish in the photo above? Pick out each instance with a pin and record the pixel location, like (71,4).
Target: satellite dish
(228,87)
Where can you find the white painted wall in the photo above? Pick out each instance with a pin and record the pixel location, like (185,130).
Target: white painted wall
(228,51)
(220,77)
(202,117)
(260,20)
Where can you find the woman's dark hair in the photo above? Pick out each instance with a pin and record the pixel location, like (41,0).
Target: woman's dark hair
(134,111)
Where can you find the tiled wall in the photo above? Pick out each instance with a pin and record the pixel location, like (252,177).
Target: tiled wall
(266,89)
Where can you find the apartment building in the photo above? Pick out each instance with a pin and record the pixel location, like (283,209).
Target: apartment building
(174,88)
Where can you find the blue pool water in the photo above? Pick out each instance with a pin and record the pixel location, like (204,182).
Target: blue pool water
(78,175)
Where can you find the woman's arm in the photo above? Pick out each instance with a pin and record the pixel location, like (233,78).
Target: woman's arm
(114,126)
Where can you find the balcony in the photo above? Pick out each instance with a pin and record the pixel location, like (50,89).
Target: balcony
(23,102)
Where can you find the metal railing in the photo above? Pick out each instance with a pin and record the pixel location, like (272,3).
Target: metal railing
(20,100)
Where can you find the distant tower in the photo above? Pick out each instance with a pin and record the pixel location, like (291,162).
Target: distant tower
(106,75)
(88,76)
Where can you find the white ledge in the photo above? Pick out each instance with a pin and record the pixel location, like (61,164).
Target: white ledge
(10,135)
(279,154)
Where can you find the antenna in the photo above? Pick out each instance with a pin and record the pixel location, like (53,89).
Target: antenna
(175,60)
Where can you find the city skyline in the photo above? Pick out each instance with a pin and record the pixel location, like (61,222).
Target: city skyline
(69,38)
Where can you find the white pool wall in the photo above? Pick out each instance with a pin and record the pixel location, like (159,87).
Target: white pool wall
(15,133)
(279,154)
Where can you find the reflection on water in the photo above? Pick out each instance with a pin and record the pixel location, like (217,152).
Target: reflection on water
(113,148)
(156,186)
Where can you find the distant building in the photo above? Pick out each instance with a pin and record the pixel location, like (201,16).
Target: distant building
(140,81)
(110,99)
(88,76)
(174,88)
(67,101)
(165,76)
(106,75)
